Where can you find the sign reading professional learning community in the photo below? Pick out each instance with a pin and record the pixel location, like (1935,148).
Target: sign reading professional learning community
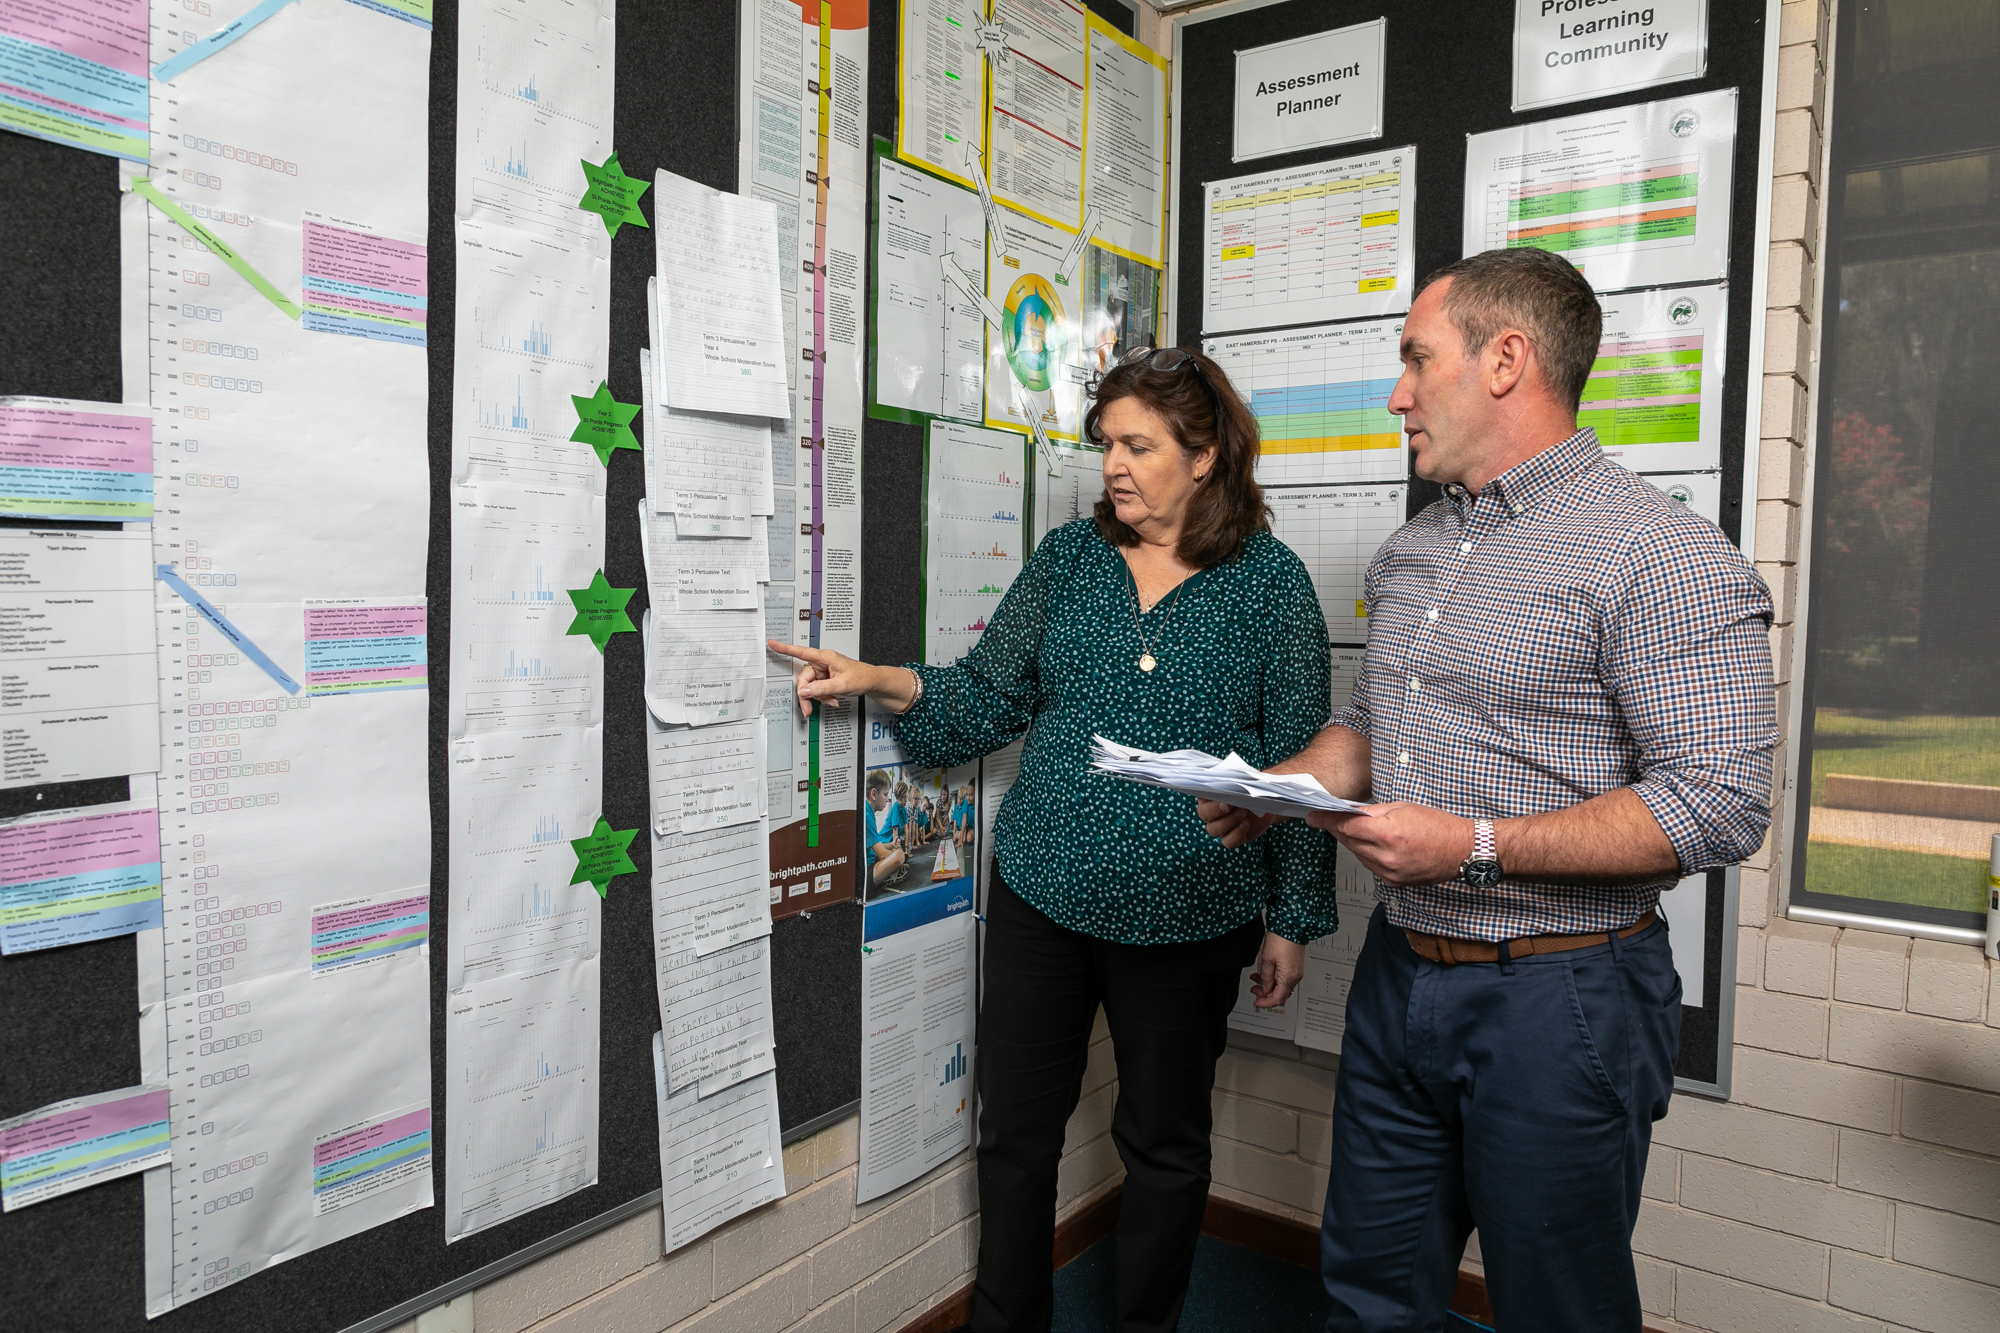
(1568,50)
(1310,92)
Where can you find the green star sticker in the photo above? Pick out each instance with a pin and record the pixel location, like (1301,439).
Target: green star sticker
(613,195)
(600,611)
(604,423)
(602,856)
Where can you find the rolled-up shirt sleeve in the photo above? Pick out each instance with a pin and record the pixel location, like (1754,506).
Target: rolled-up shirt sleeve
(1296,696)
(1687,653)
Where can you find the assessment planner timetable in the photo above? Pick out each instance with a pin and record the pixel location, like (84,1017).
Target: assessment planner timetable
(1309,244)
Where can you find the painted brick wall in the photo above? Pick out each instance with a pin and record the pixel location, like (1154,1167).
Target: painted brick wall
(1852,1182)
(813,1262)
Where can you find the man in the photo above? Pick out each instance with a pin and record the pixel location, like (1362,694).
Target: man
(1567,705)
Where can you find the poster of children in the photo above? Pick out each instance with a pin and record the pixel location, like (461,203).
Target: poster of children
(920,827)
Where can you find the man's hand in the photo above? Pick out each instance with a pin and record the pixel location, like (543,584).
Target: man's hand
(1280,965)
(1230,825)
(1402,843)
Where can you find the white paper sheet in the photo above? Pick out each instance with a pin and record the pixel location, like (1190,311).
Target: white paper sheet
(720,1156)
(1125,144)
(716,1012)
(1034,351)
(81,694)
(1634,196)
(1071,494)
(1699,491)
(943,75)
(700,464)
(68,459)
(709,882)
(1034,136)
(521,1058)
(1334,240)
(974,494)
(517,799)
(1321,999)
(917,1013)
(1336,531)
(1654,396)
(723,347)
(516,553)
(929,335)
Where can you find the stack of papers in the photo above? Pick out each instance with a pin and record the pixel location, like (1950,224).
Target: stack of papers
(1229,780)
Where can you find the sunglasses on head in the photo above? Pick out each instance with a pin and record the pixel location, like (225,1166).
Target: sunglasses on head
(1166,360)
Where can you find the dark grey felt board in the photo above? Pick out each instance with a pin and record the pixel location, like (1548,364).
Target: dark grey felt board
(1448,74)
(76,1263)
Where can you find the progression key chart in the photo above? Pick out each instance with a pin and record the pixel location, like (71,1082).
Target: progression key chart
(1636,196)
(1321,399)
(1334,240)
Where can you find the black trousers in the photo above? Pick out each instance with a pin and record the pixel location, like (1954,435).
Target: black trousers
(1167,1006)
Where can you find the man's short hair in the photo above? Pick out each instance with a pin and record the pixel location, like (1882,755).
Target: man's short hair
(1536,291)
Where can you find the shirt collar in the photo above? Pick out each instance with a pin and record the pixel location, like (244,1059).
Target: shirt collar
(1534,479)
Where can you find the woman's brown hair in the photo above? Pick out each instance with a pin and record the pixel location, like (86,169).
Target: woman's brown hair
(1201,408)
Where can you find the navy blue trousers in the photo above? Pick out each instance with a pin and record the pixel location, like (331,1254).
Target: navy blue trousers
(1518,1099)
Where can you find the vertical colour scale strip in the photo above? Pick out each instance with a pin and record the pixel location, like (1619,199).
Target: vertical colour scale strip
(824,104)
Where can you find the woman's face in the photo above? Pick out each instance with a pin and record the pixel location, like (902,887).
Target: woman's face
(1147,474)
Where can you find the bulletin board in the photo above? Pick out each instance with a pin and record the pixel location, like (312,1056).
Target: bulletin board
(77,1261)
(1447,74)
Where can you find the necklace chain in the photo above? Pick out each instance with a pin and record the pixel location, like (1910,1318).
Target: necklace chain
(1146,659)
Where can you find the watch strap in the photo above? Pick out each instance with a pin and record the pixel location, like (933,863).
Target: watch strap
(1485,846)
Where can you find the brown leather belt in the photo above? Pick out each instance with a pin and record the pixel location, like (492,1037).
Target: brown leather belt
(1444,949)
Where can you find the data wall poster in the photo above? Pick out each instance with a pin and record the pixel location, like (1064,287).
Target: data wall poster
(1035,367)
(1120,300)
(1347,665)
(929,268)
(1034,127)
(1335,240)
(1066,496)
(1321,999)
(1570,50)
(1321,399)
(286,375)
(941,83)
(1654,395)
(975,495)
(1125,144)
(1336,531)
(1634,196)
(919,962)
(802,93)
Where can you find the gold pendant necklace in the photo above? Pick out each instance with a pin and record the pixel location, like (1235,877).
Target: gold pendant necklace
(1146,659)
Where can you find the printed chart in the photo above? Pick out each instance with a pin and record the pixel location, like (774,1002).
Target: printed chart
(1636,196)
(1321,399)
(1336,530)
(1330,241)
(972,534)
(1654,396)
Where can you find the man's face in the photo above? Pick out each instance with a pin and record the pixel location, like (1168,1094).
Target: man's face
(1442,395)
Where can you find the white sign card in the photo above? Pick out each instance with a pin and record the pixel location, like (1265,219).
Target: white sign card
(1311,91)
(1569,50)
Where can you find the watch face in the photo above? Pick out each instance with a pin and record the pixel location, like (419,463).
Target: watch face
(1480,872)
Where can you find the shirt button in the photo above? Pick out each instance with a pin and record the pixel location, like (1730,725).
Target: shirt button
(1403,758)
(1415,685)
(1431,614)
(1465,548)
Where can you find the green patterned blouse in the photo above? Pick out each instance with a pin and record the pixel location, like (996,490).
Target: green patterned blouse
(1242,665)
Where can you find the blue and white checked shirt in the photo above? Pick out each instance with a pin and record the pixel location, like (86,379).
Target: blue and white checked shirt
(1567,631)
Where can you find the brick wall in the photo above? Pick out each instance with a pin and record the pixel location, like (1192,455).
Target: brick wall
(813,1262)
(1852,1182)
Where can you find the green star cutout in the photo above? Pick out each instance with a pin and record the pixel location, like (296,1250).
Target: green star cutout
(604,423)
(613,195)
(600,611)
(602,856)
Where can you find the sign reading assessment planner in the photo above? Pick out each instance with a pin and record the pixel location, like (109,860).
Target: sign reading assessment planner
(1567,50)
(1310,92)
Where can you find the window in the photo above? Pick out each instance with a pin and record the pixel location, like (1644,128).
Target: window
(1901,679)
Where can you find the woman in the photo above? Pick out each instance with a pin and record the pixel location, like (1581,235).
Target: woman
(1171,619)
